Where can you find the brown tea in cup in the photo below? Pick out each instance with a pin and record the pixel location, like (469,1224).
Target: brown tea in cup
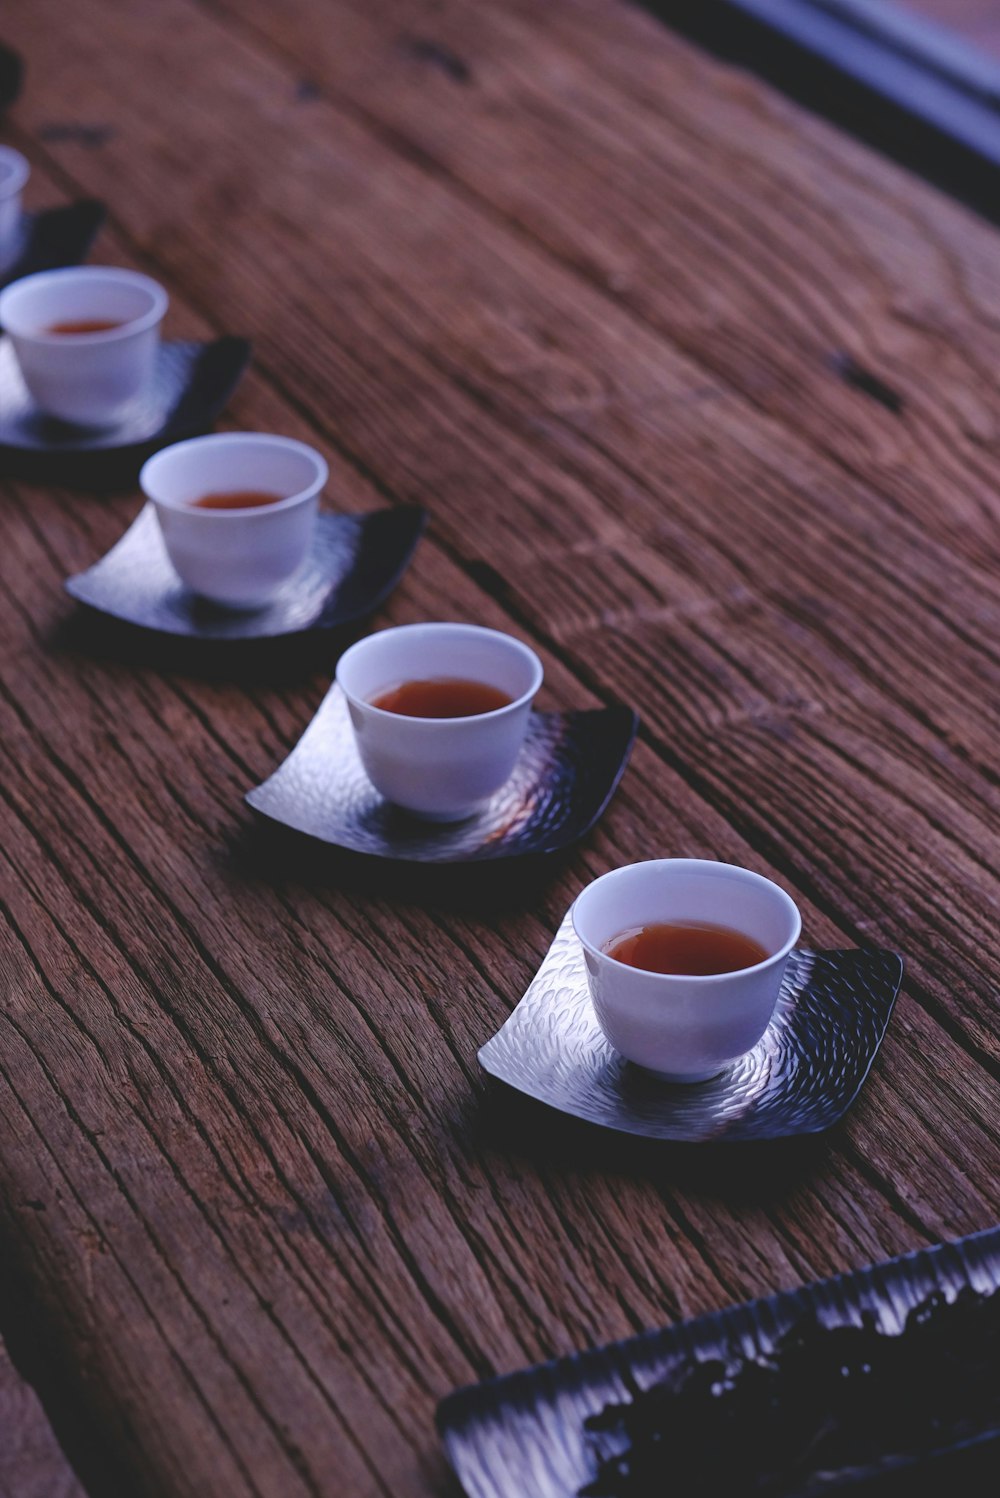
(84,325)
(237,499)
(442,697)
(695,949)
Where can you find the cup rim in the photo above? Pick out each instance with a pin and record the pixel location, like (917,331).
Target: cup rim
(91,274)
(321,473)
(714,865)
(19,170)
(445,627)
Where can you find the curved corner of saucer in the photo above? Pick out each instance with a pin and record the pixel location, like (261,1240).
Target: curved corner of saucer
(76,586)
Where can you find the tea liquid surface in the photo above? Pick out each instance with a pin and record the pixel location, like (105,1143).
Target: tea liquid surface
(237,499)
(85,325)
(442,697)
(688,948)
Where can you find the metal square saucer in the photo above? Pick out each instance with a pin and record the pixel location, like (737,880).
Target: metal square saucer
(192,383)
(54,238)
(800,1078)
(11,75)
(354,563)
(567,773)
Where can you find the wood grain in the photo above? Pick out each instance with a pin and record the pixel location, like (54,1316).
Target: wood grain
(976,21)
(584,293)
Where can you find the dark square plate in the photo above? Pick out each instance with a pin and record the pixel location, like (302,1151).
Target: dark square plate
(192,384)
(526,1435)
(54,238)
(354,563)
(568,771)
(800,1078)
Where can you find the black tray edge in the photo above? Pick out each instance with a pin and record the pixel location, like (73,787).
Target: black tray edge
(474,1401)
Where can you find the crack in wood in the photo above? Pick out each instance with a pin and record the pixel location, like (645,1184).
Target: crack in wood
(91,136)
(868,383)
(424,49)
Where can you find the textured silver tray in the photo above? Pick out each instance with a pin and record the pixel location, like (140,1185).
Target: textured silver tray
(568,771)
(354,562)
(192,383)
(800,1078)
(526,1435)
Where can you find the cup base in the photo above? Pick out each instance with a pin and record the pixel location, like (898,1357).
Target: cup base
(231,605)
(682,1079)
(93,419)
(83,426)
(440,816)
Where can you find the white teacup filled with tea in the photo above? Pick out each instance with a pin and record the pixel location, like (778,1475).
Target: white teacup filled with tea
(685,959)
(237,512)
(440,713)
(85,338)
(14,173)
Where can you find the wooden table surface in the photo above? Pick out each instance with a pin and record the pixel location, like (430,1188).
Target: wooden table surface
(704,401)
(976,21)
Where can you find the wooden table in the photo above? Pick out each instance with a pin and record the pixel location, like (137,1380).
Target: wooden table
(976,21)
(704,401)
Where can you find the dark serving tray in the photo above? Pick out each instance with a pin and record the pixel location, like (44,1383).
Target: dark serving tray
(54,238)
(192,384)
(548,1432)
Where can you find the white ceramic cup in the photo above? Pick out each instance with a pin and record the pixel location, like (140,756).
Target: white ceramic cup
(14,173)
(686,1029)
(238,558)
(440,768)
(87,378)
